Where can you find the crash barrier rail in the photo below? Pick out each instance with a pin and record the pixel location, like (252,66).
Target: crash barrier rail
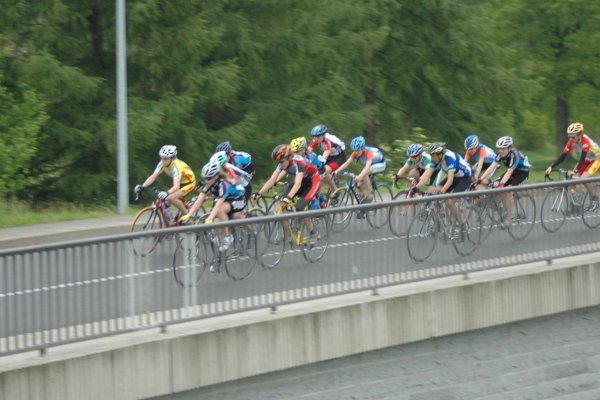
(79,290)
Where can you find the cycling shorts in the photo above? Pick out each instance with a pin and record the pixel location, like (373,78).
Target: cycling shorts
(378,168)
(334,162)
(593,168)
(517,178)
(236,205)
(309,188)
(461,184)
(187,189)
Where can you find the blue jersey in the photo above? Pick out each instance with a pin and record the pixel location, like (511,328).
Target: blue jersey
(452,162)
(484,151)
(242,160)
(225,190)
(514,160)
(312,158)
(368,153)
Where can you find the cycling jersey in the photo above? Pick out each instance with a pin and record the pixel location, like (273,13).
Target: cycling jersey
(297,165)
(238,175)
(312,158)
(514,160)
(242,160)
(225,190)
(177,170)
(452,162)
(330,142)
(484,152)
(587,144)
(369,153)
(422,164)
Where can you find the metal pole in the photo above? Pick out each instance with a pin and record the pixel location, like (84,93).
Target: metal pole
(122,160)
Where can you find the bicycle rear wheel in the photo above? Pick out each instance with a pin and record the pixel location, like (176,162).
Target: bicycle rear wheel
(378,217)
(553,212)
(401,215)
(341,197)
(467,237)
(241,257)
(148,218)
(422,235)
(591,210)
(270,241)
(523,218)
(189,258)
(315,251)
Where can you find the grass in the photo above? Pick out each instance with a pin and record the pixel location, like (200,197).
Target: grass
(540,159)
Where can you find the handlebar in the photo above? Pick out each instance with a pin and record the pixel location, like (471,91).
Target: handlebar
(139,194)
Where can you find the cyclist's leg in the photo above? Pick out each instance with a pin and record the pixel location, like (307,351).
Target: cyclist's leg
(308,191)
(588,169)
(515,179)
(176,198)
(458,185)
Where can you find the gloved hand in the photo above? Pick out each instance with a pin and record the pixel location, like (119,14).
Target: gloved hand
(208,221)
(256,196)
(321,158)
(184,219)
(287,200)
(138,189)
(162,196)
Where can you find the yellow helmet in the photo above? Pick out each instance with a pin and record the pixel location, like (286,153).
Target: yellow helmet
(574,128)
(298,144)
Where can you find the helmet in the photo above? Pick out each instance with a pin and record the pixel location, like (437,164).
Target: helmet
(575,128)
(298,144)
(414,150)
(281,151)
(436,148)
(225,146)
(504,142)
(168,151)
(219,157)
(211,169)
(357,143)
(318,130)
(471,142)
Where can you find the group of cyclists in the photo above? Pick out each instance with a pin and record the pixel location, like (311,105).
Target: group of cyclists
(227,176)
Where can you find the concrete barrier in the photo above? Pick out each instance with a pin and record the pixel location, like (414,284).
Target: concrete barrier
(146,364)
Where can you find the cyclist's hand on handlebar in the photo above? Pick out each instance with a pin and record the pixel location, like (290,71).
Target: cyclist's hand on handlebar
(184,219)
(412,181)
(162,195)
(548,171)
(138,189)
(287,200)
(256,196)
(498,185)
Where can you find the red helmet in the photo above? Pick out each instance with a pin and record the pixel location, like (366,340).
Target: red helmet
(281,152)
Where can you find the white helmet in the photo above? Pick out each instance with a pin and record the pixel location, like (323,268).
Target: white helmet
(504,142)
(167,151)
(575,128)
(220,157)
(210,169)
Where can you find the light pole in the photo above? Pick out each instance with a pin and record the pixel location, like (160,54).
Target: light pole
(122,159)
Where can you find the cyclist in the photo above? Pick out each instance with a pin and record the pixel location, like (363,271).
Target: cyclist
(228,199)
(299,147)
(419,161)
(482,155)
(235,175)
(589,156)
(307,181)
(333,151)
(458,176)
(184,180)
(517,171)
(373,160)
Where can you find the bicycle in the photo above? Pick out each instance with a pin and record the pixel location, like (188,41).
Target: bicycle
(590,207)
(559,203)
(347,195)
(434,221)
(296,232)
(400,216)
(158,215)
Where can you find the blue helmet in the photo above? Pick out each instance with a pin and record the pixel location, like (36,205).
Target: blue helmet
(357,143)
(225,146)
(318,130)
(414,150)
(471,142)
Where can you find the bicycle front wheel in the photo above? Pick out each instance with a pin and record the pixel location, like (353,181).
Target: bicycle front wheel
(148,218)
(340,198)
(315,247)
(241,257)
(189,259)
(422,235)
(401,216)
(591,209)
(270,240)
(554,210)
(523,218)
(379,216)
(466,237)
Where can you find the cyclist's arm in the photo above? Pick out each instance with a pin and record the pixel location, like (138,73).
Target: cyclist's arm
(449,180)
(215,209)
(150,180)
(559,160)
(344,165)
(197,204)
(488,172)
(365,171)
(272,181)
(176,186)
(402,170)
(581,161)
(479,167)
(425,177)
(297,184)
(507,175)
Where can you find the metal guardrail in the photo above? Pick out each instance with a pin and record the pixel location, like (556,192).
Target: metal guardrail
(80,290)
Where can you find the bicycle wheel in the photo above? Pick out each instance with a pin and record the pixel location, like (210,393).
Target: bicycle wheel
(314,250)
(189,258)
(523,218)
(148,218)
(241,256)
(553,212)
(340,198)
(400,216)
(270,241)
(465,238)
(422,234)
(591,209)
(486,206)
(378,217)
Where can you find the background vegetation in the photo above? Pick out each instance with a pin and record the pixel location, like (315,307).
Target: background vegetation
(259,72)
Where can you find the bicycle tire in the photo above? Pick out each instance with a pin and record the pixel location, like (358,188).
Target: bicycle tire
(148,218)
(422,235)
(270,241)
(590,211)
(315,253)
(554,210)
(241,257)
(400,216)
(523,216)
(465,244)
(378,217)
(189,258)
(341,197)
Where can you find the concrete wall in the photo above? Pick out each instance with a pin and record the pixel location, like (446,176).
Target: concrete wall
(148,364)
